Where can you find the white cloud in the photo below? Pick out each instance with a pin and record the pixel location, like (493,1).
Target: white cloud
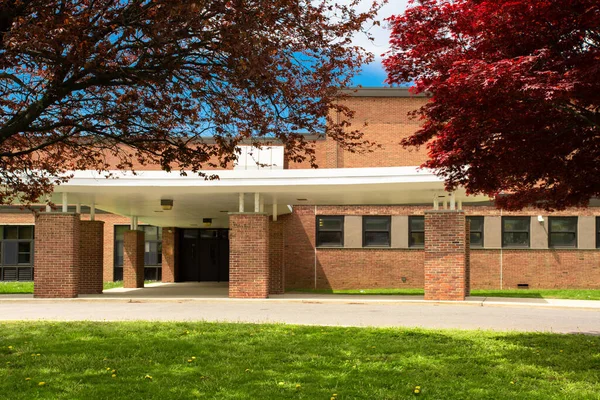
(381,33)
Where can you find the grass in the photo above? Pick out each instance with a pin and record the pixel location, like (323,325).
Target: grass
(244,361)
(27,287)
(573,294)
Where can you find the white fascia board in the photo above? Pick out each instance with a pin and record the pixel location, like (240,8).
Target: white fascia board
(266,178)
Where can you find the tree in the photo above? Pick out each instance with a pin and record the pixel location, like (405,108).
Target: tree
(515,95)
(147,81)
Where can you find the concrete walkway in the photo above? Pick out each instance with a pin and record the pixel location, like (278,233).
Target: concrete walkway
(162,302)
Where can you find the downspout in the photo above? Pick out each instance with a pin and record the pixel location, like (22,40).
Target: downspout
(315,267)
(501,257)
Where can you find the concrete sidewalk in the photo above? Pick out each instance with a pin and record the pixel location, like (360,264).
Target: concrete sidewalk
(303,312)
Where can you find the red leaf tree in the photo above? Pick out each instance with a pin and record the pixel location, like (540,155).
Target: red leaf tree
(515,95)
(84,82)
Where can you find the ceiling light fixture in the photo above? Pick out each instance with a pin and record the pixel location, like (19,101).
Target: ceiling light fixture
(166,204)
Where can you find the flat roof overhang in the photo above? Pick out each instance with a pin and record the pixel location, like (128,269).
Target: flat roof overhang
(195,197)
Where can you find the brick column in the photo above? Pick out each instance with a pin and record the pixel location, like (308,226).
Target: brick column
(170,241)
(276,251)
(446,255)
(92,257)
(249,255)
(133,259)
(56,255)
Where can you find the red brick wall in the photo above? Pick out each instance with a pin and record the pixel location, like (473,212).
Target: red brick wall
(541,269)
(170,240)
(249,256)
(92,253)
(276,259)
(368,269)
(133,259)
(445,255)
(56,258)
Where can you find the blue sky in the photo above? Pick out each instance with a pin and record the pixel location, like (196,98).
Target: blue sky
(373,75)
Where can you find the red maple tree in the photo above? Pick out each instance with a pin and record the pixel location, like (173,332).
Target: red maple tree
(515,95)
(148,81)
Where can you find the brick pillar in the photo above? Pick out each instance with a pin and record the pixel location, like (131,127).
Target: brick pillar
(56,255)
(249,255)
(446,253)
(170,241)
(276,257)
(92,257)
(133,259)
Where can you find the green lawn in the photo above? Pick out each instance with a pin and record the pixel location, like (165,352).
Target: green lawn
(575,294)
(27,287)
(243,361)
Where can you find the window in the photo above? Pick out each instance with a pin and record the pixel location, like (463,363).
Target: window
(16,252)
(330,231)
(476,237)
(416,231)
(562,232)
(152,252)
(376,231)
(515,231)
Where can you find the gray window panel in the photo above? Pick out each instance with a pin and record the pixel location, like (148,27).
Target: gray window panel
(25,273)
(9,274)
(10,255)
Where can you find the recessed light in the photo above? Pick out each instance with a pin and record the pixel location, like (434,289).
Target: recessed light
(157,210)
(302,199)
(225,211)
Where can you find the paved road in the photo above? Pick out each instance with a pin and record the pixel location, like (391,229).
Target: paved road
(383,315)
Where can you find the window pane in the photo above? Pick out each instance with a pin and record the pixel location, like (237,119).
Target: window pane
(516,224)
(159,253)
(208,234)
(377,238)
(11,232)
(24,247)
(330,239)
(120,231)
(25,258)
(417,223)
(150,232)
(516,239)
(190,233)
(377,223)
(476,239)
(26,232)
(563,224)
(563,239)
(119,253)
(329,223)
(159,229)
(417,239)
(10,255)
(476,223)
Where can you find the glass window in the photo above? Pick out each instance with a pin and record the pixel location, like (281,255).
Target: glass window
(515,231)
(330,231)
(416,231)
(562,231)
(11,232)
(376,231)
(120,231)
(152,249)
(476,236)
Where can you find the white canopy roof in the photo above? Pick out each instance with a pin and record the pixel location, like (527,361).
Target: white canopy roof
(195,197)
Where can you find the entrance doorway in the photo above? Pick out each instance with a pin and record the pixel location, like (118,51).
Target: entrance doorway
(204,255)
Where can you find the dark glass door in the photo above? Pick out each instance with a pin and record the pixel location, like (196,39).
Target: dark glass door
(204,255)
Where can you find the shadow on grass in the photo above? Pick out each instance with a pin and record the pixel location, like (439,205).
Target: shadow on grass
(209,360)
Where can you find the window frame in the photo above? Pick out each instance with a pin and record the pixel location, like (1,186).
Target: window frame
(550,245)
(469,218)
(18,267)
(410,231)
(317,231)
(513,246)
(388,218)
(149,269)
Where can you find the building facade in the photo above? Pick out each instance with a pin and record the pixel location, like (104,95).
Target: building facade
(359,221)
